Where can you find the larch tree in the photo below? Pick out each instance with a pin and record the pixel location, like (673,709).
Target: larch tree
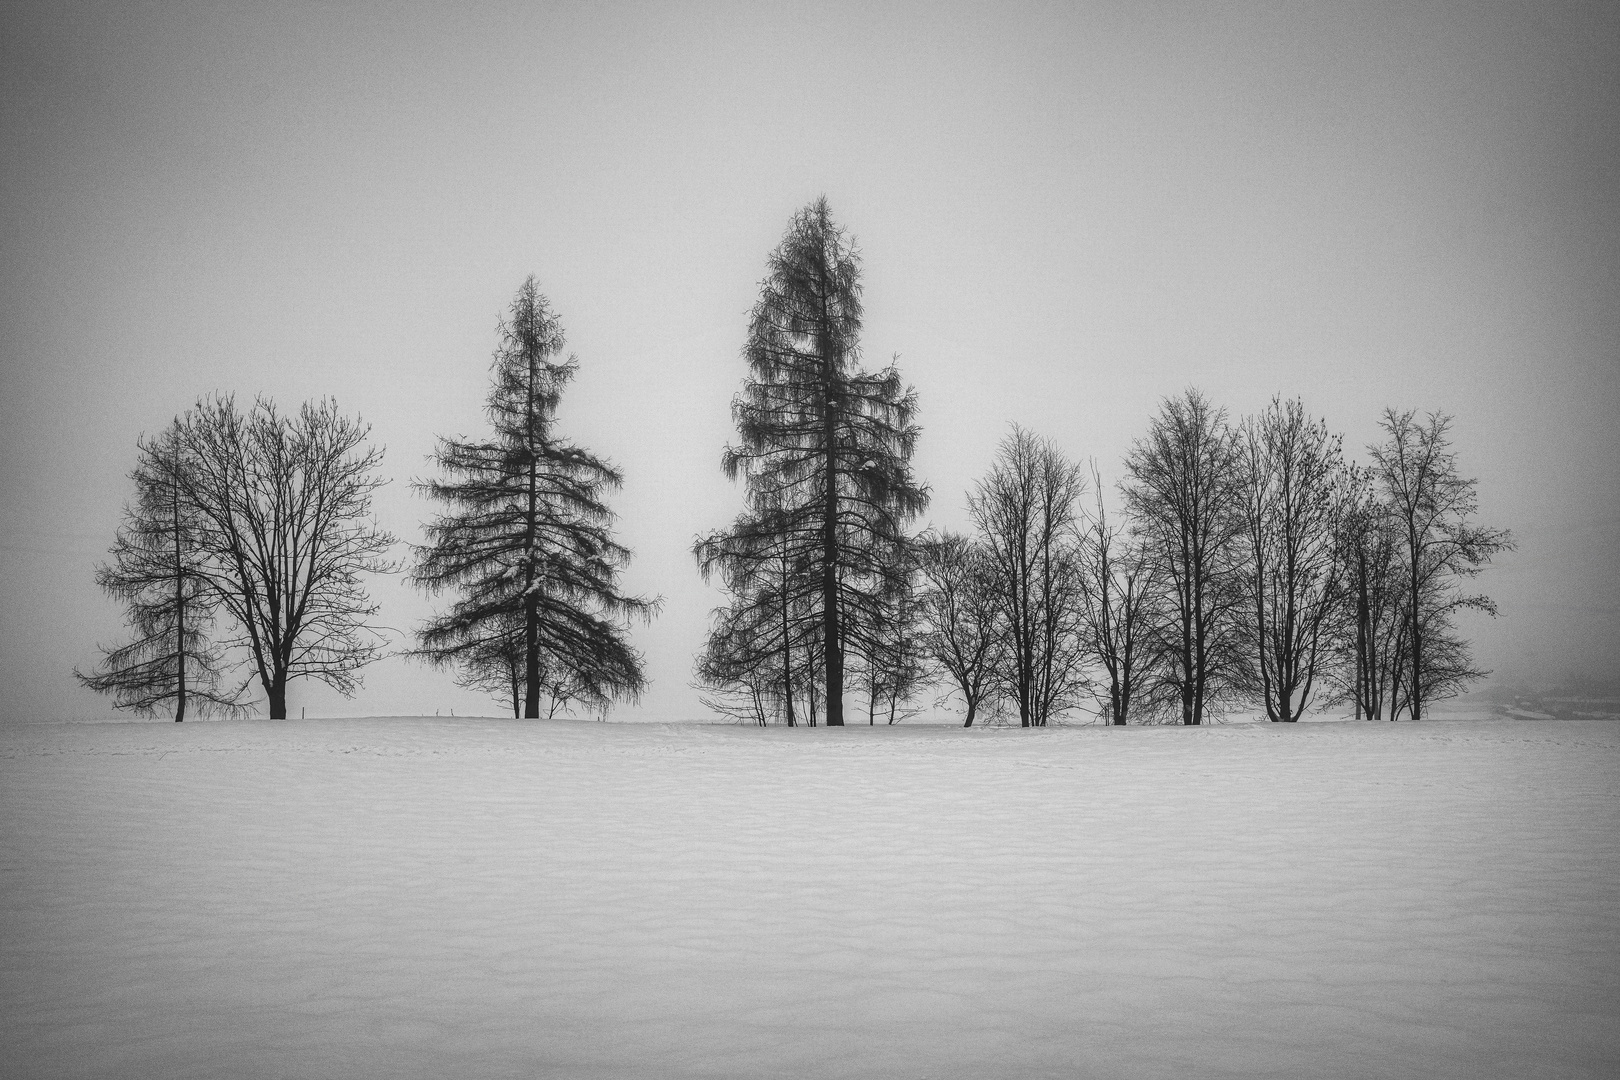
(1026,510)
(824,447)
(282,507)
(1183,494)
(1294,503)
(526,539)
(1432,506)
(157,571)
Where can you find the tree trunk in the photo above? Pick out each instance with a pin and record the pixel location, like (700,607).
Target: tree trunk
(787,655)
(180,686)
(277,694)
(1414,705)
(973,709)
(531,657)
(829,575)
(179,611)
(1189,671)
(1361,638)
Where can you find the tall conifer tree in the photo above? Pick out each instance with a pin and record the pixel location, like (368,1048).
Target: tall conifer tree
(526,540)
(824,447)
(157,571)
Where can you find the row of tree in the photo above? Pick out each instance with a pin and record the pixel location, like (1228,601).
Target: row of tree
(259,525)
(1254,564)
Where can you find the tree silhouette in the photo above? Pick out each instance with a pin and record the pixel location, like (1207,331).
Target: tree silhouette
(1431,505)
(526,540)
(892,662)
(756,660)
(823,447)
(157,571)
(283,511)
(1122,601)
(1183,495)
(1370,647)
(1295,503)
(1026,512)
(959,631)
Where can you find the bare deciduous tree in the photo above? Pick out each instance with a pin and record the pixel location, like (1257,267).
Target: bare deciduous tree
(283,507)
(958,629)
(1294,504)
(1372,641)
(1431,506)
(1121,615)
(1184,498)
(755,663)
(893,663)
(1025,510)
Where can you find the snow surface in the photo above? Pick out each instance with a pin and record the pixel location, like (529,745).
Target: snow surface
(488,898)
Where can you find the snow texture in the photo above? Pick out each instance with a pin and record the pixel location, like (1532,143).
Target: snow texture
(482,898)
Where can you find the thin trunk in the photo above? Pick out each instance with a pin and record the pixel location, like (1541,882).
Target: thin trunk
(787,655)
(1414,706)
(830,629)
(531,602)
(1361,637)
(179,610)
(810,680)
(531,657)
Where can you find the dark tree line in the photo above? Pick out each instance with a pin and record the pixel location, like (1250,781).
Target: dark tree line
(1254,565)
(1250,563)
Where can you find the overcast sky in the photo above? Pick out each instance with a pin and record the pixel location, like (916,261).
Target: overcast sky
(1066,211)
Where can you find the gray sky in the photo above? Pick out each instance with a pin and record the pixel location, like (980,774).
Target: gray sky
(1067,212)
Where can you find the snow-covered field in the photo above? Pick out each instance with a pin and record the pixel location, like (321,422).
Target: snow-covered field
(483,898)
